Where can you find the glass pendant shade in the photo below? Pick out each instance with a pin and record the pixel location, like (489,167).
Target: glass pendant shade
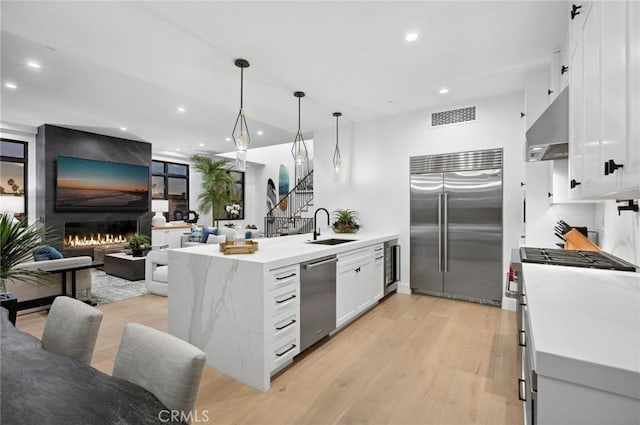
(240,132)
(299,148)
(337,160)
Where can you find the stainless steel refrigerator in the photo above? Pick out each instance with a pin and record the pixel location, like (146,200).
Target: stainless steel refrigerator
(456,225)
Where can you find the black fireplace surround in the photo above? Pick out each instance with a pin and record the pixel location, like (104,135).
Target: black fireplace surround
(54,141)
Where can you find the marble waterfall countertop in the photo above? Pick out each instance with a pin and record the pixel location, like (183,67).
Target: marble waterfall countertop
(286,250)
(585,325)
(229,305)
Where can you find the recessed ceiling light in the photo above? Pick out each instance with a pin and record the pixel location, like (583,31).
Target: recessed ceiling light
(201,144)
(444,90)
(177,149)
(123,128)
(412,36)
(260,133)
(228,139)
(10,85)
(181,109)
(33,64)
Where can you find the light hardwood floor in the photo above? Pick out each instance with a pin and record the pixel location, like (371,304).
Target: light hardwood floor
(411,360)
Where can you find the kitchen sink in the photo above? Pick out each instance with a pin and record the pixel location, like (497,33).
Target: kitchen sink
(333,241)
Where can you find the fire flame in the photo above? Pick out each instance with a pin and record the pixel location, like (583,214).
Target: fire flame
(73,241)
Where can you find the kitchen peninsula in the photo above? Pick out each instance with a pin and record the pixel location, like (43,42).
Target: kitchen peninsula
(244,310)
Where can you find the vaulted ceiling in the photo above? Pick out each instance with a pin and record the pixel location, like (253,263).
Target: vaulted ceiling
(132,64)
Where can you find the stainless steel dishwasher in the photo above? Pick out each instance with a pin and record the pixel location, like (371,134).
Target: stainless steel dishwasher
(317,300)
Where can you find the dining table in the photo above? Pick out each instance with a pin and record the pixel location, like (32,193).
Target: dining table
(40,387)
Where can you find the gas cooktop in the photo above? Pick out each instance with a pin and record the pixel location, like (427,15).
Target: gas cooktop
(563,257)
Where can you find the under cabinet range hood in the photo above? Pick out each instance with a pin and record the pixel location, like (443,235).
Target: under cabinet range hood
(548,137)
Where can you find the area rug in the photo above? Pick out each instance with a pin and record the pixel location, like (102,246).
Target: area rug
(108,289)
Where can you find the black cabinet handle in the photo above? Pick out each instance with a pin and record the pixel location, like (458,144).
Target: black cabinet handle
(287,325)
(521,184)
(549,91)
(563,69)
(285,300)
(574,183)
(522,114)
(549,194)
(522,388)
(575,11)
(286,277)
(610,167)
(286,351)
(357,270)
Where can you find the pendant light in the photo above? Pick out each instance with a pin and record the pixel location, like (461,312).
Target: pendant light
(299,149)
(337,161)
(240,133)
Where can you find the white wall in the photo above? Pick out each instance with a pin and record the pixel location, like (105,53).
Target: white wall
(375,176)
(27,134)
(620,234)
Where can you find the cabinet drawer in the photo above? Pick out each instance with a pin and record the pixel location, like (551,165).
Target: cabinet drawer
(286,325)
(283,299)
(349,256)
(284,351)
(284,276)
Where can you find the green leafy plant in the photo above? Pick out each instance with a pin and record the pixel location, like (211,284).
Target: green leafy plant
(216,184)
(345,221)
(138,241)
(17,242)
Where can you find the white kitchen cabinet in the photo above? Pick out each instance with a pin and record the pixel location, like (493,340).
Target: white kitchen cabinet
(377,273)
(554,77)
(165,236)
(355,291)
(603,103)
(536,98)
(565,60)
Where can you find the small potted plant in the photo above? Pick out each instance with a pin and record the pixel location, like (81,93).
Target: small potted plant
(17,242)
(139,245)
(345,221)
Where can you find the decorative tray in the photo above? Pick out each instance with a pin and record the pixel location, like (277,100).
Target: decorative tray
(230,247)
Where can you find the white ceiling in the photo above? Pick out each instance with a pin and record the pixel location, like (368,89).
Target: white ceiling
(113,64)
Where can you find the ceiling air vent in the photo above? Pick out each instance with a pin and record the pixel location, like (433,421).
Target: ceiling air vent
(454,116)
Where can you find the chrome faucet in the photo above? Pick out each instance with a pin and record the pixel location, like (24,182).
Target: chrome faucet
(317,233)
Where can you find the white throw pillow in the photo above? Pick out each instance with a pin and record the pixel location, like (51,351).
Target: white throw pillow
(216,239)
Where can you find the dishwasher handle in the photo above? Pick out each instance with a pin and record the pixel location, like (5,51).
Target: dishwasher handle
(308,266)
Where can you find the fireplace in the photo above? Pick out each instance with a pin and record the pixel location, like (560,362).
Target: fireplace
(92,234)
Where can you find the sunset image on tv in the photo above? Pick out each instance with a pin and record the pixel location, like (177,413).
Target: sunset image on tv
(88,184)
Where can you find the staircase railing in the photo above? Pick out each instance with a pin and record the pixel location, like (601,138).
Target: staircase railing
(285,217)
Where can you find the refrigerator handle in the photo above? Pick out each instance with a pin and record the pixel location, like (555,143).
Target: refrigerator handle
(440,232)
(446,232)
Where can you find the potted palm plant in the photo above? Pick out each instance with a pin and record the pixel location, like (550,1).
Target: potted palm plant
(17,242)
(139,244)
(216,184)
(345,221)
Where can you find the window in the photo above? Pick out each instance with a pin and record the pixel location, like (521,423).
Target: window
(13,178)
(171,181)
(237,197)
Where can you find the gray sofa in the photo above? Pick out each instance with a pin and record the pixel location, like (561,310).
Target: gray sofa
(51,284)
(229,233)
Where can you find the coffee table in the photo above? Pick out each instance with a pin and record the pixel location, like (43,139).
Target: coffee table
(125,266)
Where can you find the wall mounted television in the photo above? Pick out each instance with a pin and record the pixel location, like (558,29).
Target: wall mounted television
(90,185)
